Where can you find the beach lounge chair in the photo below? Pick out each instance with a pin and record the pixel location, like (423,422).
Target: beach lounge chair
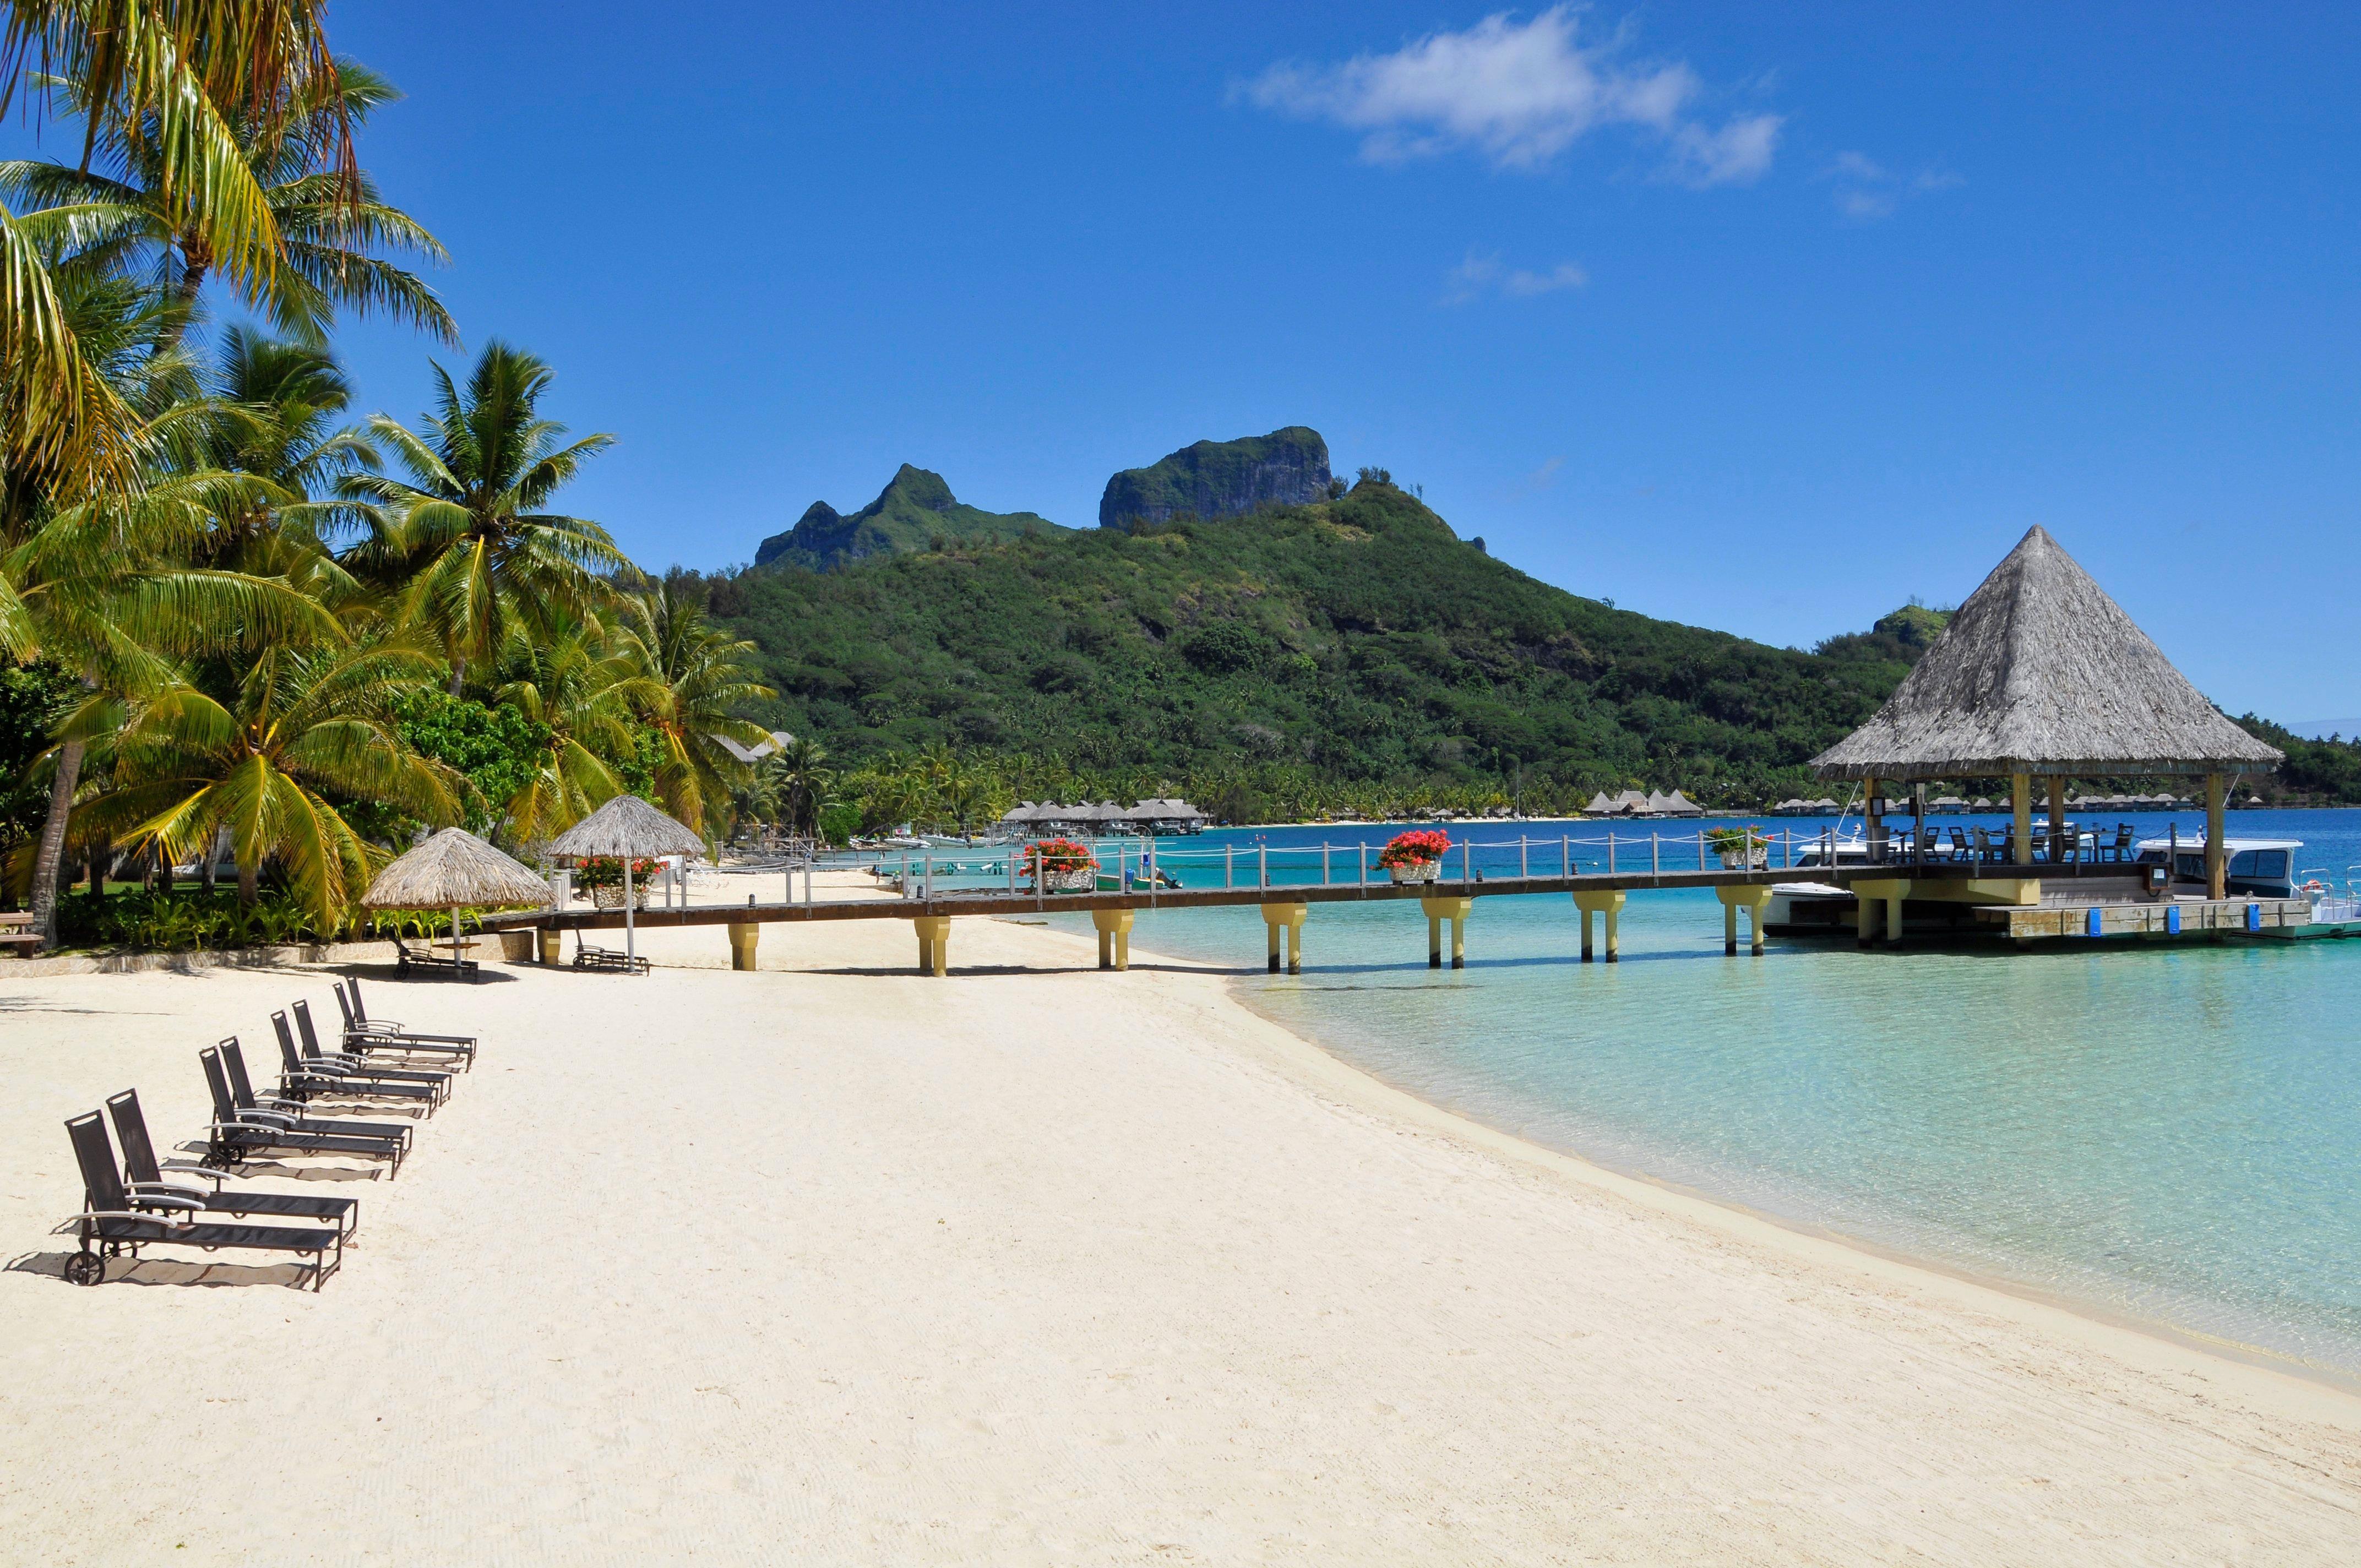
(366,1036)
(110,1224)
(183,1179)
(302,1077)
(606,961)
(242,1095)
(236,1133)
(355,1064)
(429,966)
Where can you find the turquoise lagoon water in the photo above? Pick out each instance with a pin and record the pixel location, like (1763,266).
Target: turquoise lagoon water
(2169,1132)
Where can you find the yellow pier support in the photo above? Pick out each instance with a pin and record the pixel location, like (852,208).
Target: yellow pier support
(1603,902)
(934,941)
(742,936)
(1888,891)
(1287,917)
(551,938)
(1439,910)
(1754,900)
(1115,936)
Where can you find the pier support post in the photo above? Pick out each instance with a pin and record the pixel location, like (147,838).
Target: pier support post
(1870,893)
(1115,936)
(743,937)
(1610,904)
(550,938)
(2216,881)
(934,941)
(1439,910)
(1288,918)
(1754,899)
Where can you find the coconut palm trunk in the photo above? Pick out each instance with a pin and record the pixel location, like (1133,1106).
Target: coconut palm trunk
(49,858)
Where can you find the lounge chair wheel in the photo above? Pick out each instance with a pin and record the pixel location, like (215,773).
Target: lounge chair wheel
(85,1268)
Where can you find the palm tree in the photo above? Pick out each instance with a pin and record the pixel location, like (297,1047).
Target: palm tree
(331,227)
(692,681)
(171,62)
(99,579)
(305,725)
(467,532)
(576,688)
(796,781)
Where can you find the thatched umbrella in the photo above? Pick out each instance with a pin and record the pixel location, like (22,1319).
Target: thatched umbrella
(626,828)
(451,868)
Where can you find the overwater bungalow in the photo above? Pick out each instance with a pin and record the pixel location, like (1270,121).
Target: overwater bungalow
(2040,677)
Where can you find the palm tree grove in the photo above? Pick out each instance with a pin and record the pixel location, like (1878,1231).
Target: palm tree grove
(243,623)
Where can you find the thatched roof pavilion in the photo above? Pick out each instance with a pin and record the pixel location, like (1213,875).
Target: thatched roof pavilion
(2041,674)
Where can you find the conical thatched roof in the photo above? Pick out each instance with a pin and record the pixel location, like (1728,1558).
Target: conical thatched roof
(454,867)
(626,826)
(2040,672)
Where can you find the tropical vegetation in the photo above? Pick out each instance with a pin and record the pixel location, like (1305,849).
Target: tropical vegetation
(236,628)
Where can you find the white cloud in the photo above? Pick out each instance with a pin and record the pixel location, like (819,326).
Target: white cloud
(1519,94)
(1867,190)
(1482,275)
(1535,483)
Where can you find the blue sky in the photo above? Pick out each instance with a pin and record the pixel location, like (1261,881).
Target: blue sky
(1760,318)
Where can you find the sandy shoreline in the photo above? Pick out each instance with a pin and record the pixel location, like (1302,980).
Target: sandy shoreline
(837,1263)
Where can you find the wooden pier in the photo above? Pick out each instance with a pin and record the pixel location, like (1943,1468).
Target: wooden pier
(2010,896)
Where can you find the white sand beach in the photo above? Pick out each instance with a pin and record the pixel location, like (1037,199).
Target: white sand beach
(836,1264)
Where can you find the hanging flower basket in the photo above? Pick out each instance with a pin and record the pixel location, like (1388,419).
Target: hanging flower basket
(1415,855)
(1062,865)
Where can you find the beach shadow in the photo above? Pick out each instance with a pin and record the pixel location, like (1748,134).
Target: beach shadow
(283,1171)
(169,1271)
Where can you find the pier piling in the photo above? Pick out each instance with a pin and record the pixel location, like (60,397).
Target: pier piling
(1115,936)
(934,939)
(1602,902)
(743,934)
(1754,898)
(1455,911)
(1288,918)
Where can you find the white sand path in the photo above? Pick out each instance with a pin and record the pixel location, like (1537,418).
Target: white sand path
(1055,1267)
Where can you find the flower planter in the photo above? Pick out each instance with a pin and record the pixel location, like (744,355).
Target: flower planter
(1733,860)
(613,897)
(1416,870)
(1081,879)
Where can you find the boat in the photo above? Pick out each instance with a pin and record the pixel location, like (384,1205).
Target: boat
(2257,867)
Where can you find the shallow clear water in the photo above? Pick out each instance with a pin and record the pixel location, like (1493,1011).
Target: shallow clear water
(2173,1133)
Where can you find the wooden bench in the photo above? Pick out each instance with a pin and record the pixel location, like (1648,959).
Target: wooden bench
(17,931)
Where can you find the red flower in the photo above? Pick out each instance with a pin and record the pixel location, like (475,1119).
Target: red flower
(1419,847)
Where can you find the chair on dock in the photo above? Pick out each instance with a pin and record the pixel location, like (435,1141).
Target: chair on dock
(2121,849)
(112,1223)
(1960,850)
(180,1178)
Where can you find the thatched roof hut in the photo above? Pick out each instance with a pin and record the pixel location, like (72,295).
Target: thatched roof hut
(626,828)
(452,868)
(2039,672)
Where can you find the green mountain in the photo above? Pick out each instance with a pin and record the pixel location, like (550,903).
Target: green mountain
(914,511)
(1327,653)
(1221,478)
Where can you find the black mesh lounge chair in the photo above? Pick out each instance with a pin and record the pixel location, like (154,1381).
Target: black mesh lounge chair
(606,961)
(109,1225)
(242,1095)
(179,1180)
(237,1134)
(303,1078)
(407,963)
(361,1065)
(368,1037)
